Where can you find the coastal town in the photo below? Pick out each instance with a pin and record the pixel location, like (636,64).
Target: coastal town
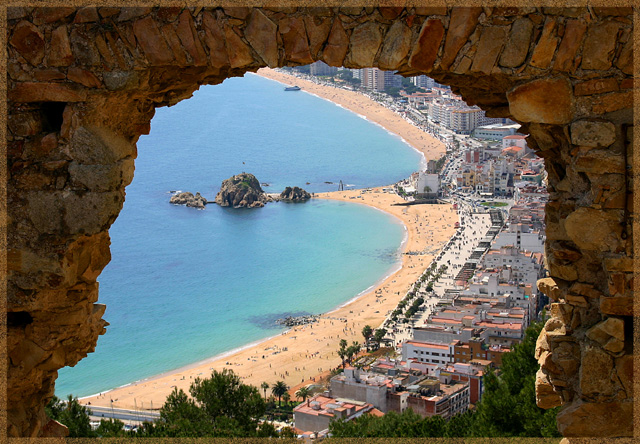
(454,325)
(465,294)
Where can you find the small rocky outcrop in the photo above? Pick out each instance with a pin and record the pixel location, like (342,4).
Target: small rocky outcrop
(189,200)
(295,194)
(242,190)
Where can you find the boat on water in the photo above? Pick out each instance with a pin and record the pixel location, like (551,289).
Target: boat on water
(292,88)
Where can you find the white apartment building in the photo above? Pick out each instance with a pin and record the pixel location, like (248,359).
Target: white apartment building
(361,386)
(428,352)
(427,183)
(522,237)
(495,131)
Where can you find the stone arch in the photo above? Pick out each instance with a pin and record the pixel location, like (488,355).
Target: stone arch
(83,84)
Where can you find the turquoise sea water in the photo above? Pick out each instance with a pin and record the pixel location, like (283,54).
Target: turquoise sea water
(184,285)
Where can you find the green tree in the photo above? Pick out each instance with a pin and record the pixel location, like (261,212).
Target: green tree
(379,335)
(286,397)
(266,430)
(229,402)
(342,351)
(71,414)
(264,386)
(181,417)
(111,428)
(278,389)
(287,432)
(393,91)
(353,350)
(367,332)
(508,406)
(304,393)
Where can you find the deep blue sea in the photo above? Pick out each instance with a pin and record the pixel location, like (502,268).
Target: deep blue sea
(184,285)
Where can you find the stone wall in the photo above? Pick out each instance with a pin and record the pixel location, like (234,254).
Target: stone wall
(83,85)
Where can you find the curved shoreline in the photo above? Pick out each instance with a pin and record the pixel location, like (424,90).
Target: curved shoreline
(185,368)
(296,348)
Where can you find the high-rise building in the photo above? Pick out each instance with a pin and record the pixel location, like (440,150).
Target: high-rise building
(378,80)
(320,68)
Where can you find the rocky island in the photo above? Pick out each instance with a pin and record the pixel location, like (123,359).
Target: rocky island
(295,194)
(189,200)
(242,190)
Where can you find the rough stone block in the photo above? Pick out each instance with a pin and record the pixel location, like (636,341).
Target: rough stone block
(600,45)
(83,77)
(542,101)
(83,47)
(169,33)
(169,14)
(215,40)
(337,45)
(611,102)
(595,230)
(595,86)
(390,13)
(317,30)
(153,44)
(47,75)
(102,177)
(618,305)
(624,371)
(600,161)
(595,372)
(49,15)
(107,12)
(363,45)
(397,43)
(29,42)
(261,34)
(546,396)
(607,329)
(593,133)
(571,42)
(99,146)
(91,213)
(546,47)
(44,210)
(239,52)
(619,264)
(60,48)
(294,37)
(120,80)
(442,10)
(133,12)
(517,46)
(462,23)
(425,50)
(550,287)
(189,37)
(585,290)
(614,346)
(86,15)
(625,59)
(46,92)
(489,46)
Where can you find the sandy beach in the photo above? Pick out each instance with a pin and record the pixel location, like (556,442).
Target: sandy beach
(301,354)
